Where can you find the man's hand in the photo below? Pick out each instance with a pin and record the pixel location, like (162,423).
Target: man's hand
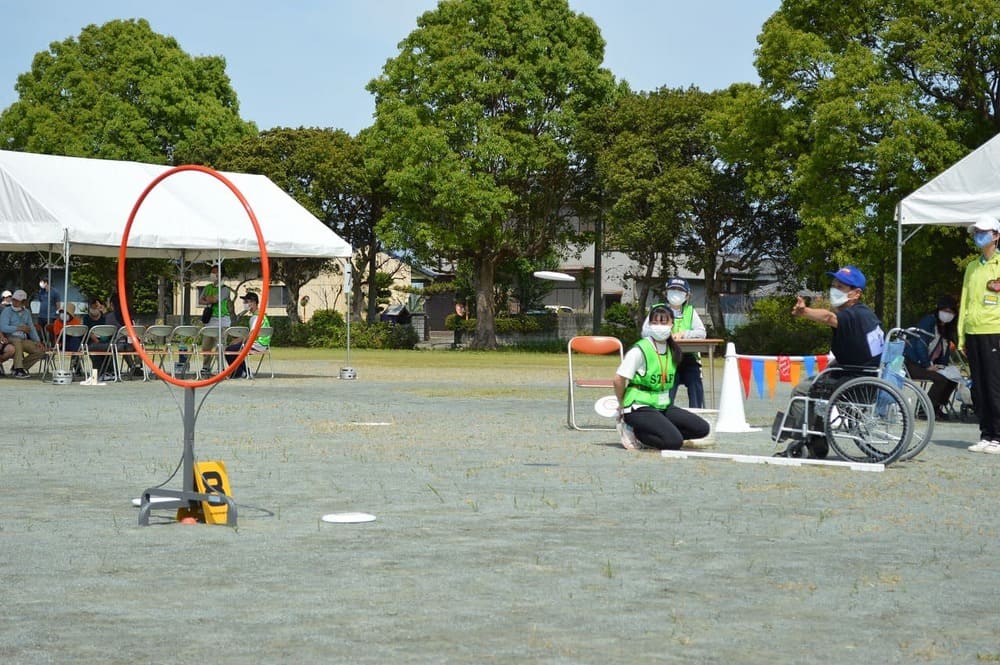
(800,307)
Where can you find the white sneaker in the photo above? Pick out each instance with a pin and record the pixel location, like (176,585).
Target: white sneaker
(629,441)
(981,446)
(992,449)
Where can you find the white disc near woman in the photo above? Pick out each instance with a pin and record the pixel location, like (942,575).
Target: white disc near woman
(348,518)
(607,406)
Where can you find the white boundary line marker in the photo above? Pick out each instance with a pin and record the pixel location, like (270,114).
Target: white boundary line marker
(782,461)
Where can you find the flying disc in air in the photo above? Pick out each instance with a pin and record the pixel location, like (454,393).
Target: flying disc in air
(348,518)
(607,406)
(153,499)
(554,276)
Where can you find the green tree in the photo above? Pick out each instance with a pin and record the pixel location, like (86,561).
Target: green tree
(327,171)
(123,91)
(475,123)
(866,101)
(672,200)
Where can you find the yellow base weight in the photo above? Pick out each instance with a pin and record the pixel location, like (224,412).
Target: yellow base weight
(210,477)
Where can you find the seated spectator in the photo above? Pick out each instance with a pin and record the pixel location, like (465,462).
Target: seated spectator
(17,326)
(251,302)
(929,352)
(96,316)
(6,351)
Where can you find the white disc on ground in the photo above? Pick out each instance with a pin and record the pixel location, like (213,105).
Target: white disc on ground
(607,406)
(348,518)
(153,499)
(554,276)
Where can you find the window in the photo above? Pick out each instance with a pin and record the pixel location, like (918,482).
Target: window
(278,296)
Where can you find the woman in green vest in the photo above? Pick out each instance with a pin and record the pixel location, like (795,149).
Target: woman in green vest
(647,417)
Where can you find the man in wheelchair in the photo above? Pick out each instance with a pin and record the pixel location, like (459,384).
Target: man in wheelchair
(856,344)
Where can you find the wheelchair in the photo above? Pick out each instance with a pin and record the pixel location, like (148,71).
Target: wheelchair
(864,414)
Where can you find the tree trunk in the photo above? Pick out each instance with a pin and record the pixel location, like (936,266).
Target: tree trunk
(713,304)
(486,337)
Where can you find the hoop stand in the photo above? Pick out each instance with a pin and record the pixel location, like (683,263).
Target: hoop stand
(189,497)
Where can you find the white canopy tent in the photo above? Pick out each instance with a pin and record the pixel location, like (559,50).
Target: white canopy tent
(968,188)
(46,201)
(59,205)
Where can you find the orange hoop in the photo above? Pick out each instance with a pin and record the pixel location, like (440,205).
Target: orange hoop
(265,276)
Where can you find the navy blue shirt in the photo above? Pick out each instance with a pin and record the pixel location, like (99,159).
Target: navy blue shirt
(858,337)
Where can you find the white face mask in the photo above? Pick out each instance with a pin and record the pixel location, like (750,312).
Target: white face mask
(16,308)
(837,297)
(676,298)
(41,285)
(945,317)
(660,331)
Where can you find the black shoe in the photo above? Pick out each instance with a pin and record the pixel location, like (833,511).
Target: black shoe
(21,374)
(941,414)
(795,448)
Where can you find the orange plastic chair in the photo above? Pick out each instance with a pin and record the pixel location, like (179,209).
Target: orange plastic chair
(595,345)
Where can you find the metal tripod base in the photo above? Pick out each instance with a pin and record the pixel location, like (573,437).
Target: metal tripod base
(183,499)
(189,497)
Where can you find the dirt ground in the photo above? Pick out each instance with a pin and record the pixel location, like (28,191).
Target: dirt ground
(501,536)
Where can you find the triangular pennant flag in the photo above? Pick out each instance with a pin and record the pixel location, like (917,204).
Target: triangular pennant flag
(795,373)
(758,376)
(745,375)
(771,376)
(822,362)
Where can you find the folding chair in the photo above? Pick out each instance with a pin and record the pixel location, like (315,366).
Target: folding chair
(265,331)
(182,345)
(234,334)
(218,345)
(71,337)
(102,350)
(156,344)
(124,347)
(595,345)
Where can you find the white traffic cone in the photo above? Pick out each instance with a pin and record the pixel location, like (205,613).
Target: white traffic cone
(731,416)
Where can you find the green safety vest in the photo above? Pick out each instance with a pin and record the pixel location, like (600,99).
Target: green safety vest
(652,388)
(264,341)
(687,318)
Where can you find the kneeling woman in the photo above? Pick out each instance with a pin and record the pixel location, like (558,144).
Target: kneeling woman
(642,386)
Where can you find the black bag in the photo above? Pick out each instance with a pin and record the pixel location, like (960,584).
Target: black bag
(206,315)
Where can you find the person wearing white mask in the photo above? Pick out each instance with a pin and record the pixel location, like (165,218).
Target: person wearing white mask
(857,342)
(928,351)
(647,417)
(979,331)
(687,325)
(18,328)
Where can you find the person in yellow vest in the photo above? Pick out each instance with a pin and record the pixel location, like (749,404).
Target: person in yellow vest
(979,331)
(647,417)
(251,301)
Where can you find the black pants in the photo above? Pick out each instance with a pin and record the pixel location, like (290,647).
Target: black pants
(984,365)
(666,429)
(941,386)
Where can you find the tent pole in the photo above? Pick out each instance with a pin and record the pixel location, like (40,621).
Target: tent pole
(899,264)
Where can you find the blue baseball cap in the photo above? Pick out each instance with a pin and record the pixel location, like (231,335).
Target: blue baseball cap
(851,276)
(679,283)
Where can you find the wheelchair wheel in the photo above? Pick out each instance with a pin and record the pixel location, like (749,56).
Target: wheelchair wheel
(923,418)
(868,420)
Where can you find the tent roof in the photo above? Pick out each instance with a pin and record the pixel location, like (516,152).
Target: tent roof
(46,199)
(967,189)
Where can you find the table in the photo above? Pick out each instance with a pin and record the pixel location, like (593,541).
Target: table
(704,346)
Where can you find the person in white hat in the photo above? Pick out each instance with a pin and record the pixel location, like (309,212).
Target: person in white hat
(17,326)
(979,331)
(5,298)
